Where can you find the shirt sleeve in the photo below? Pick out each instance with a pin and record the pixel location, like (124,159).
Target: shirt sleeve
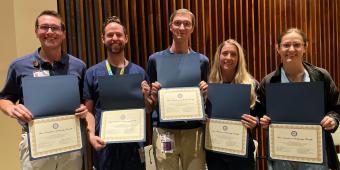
(88,91)
(204,68)
(11,88)
(151,70)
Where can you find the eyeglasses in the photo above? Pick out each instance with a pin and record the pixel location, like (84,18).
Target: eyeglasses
(186,24)
(54,28)
(295,45)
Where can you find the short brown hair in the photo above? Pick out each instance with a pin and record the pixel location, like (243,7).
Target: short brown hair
(183,11)
(50,13)
(113,19)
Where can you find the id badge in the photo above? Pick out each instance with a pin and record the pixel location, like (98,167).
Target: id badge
(167,142)
(41,73)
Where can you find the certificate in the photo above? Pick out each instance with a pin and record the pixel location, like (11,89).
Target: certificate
(226,136)
(302,143)
(54,135)
(121,126)
(180,104)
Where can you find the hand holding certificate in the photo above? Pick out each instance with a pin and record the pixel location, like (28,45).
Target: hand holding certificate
(224,130)
(123,119)
(295,133)
(49,132)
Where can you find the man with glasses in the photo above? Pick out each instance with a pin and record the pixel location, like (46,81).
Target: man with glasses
(48,60)
(178,143)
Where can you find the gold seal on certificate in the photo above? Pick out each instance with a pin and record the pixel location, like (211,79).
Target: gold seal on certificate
(302,143)
(55,135)
(178,104)
(226,136)
(121,126)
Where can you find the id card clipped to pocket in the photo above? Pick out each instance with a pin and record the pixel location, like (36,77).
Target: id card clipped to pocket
(167,142)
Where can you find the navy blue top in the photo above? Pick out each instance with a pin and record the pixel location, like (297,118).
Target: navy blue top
(26,65)
(91,88)
(152,72)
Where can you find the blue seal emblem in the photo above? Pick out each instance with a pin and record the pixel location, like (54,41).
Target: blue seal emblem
(55,125)
(294,133)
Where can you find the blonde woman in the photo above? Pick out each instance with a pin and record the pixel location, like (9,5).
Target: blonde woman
(230,67)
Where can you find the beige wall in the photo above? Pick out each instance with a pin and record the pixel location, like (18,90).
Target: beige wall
(17,39)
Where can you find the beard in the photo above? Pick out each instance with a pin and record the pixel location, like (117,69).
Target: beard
(115,48)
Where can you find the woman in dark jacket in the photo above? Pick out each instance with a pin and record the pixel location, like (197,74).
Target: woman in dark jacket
(291,47)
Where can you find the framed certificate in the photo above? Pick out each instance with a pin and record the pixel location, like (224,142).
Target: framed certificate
(302,143)
(122,126)
(180,104)
(54,135)
(226,136)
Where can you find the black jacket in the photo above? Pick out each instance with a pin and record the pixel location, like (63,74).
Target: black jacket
(332,103)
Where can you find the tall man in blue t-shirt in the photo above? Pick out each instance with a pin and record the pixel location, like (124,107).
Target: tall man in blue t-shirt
(186,136)
(48,60)
(118,156)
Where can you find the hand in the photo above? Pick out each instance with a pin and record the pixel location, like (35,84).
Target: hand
(249,121)
(154,91)
(328,123)
(145,88)
(19,112)
(205,119)
(265,121)
(96,142)
(82,111)
(204,88)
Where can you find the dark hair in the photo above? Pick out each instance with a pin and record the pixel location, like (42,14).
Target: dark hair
(183,11)
(113,19)
(290,30)
(50,13)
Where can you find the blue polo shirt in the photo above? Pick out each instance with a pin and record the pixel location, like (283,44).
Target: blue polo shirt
(26,65)
(91,88)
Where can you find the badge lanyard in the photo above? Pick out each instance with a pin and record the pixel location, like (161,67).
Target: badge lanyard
(108,67)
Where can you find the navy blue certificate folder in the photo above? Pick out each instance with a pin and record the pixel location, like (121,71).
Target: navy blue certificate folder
(121,92)
(178,70)
(295,102)
(228,101)
(51,96)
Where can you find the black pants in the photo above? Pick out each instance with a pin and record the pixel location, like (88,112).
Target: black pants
(227,162)
(124,156)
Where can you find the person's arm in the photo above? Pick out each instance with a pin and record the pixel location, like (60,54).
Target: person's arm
(16,111)
(331,120)
(249,121)
(95,141)
(260,107)
(204,89)
(154,91)
(81,111)
(147,99)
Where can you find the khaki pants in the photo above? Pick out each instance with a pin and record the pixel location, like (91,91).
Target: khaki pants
(188,150)
(67,161)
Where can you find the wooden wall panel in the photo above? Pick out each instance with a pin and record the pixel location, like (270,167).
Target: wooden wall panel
(256,24)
